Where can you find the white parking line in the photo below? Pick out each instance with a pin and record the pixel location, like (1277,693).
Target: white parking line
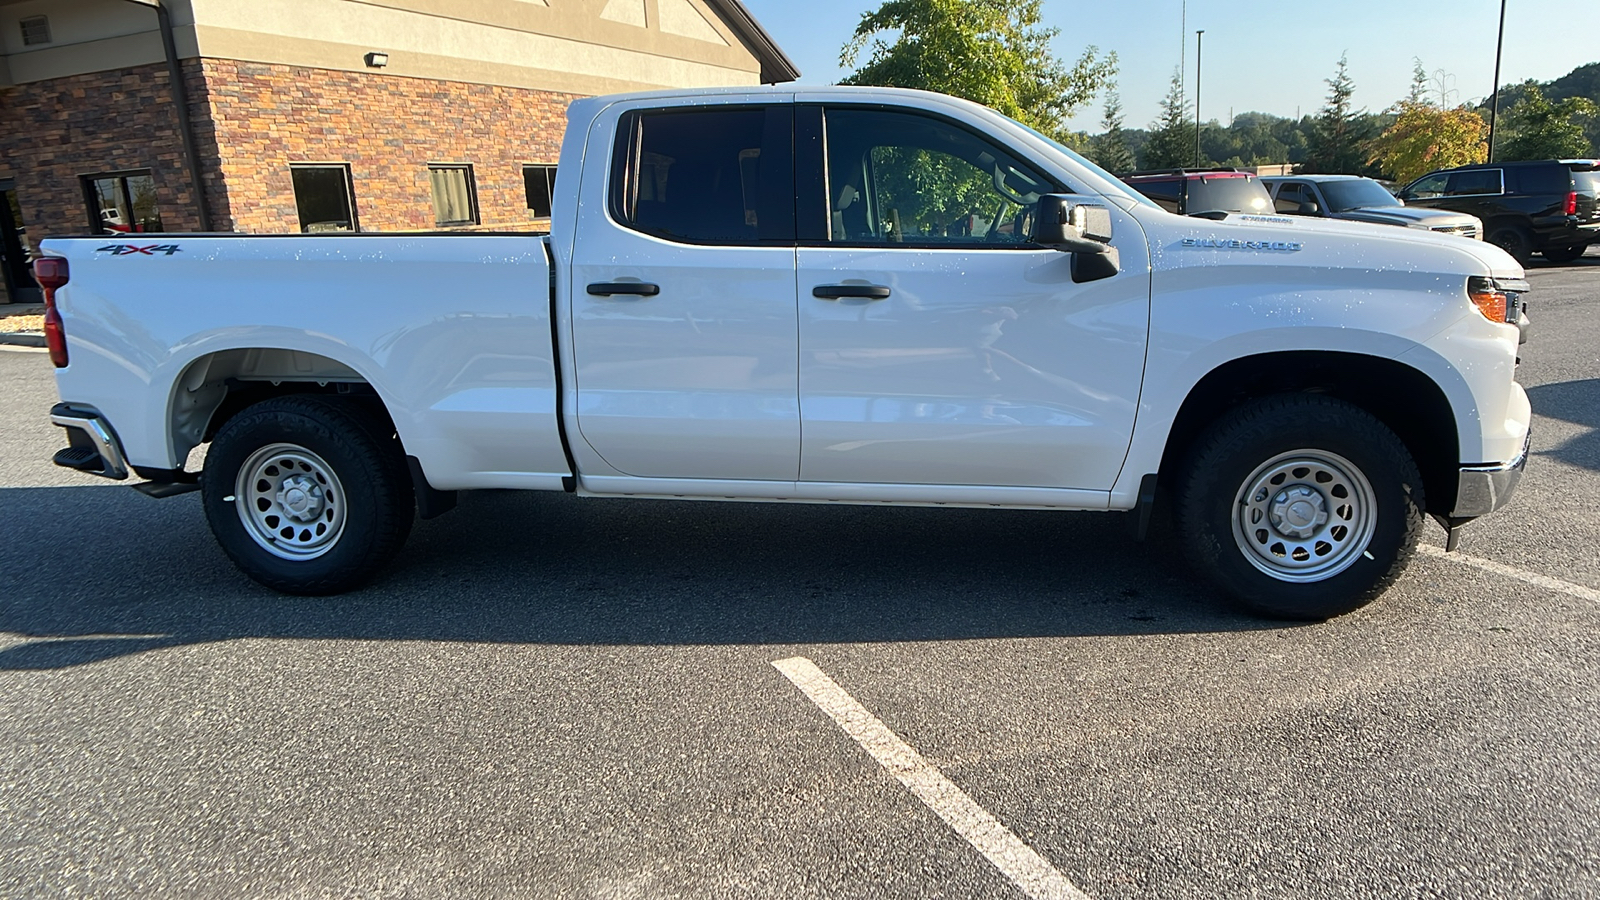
(1533,578)
(1015,859)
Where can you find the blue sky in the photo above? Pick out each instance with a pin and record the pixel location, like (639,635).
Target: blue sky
(1272,57)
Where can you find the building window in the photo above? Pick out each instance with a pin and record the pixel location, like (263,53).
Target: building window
(120,202)
(324,198)
(35,30)
(540,183)
(455,200)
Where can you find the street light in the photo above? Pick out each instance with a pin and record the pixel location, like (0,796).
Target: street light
(1198,36)
(1494,104)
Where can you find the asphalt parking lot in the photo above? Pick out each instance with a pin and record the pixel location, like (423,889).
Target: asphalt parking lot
(551,697)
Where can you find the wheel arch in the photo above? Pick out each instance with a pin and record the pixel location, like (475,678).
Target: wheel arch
(1405,399)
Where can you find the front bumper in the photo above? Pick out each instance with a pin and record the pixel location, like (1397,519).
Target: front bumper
(1481,490)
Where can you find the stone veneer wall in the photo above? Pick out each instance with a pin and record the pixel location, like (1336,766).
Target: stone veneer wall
(53,132)
(386,128)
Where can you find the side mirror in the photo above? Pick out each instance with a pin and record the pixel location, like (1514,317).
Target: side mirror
(1080,226)
(1072,224)
(1403,196)
(1309,208)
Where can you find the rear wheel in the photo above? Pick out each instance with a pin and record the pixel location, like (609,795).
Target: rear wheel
(1301,506)
(1563,254)
(1514,240)
(307,495)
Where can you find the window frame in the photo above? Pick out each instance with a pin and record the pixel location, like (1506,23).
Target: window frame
(1045,179)
(1499,193)
(472,194)
(349,194)
(550,183)
(622,183)
(91,198)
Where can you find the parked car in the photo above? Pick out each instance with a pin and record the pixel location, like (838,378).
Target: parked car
(1210,193)
(1357,199)
(749,295)
(1549,206)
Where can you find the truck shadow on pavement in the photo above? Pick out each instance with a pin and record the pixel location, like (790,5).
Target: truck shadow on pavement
(1577,402)
(96,573)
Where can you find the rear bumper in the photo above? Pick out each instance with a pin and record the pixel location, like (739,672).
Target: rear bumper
(1481,490)
(88,431)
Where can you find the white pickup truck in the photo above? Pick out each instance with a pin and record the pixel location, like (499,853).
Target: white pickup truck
(835,295)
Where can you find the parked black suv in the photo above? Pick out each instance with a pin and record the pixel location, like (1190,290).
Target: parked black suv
(1203,192)
(1551,206)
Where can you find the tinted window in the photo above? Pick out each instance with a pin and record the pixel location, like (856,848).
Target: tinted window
(1164,193)
(1288,199)
(1359,194)
(722,176)
(1225,193)
(1473,181)
(322,198)
(1551,179)
(1429,186)
(902,178)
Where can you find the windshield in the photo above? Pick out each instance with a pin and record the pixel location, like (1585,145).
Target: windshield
(1356,194)
(1226,193)
(1111,179)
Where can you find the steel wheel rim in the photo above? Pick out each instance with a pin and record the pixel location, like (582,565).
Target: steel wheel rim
(290,502)
(1304,516)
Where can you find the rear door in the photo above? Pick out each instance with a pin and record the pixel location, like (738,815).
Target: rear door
(938,346)
(683,310)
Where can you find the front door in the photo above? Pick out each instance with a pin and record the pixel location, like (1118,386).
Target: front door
(684,298)
(937,345)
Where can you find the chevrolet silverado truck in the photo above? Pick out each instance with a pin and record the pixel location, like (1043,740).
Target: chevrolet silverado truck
(829,295)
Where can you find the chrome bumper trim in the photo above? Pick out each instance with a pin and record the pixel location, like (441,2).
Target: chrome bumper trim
(100,435)
(1483,489)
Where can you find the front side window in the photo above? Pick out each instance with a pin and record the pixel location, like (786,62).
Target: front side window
(122,202)
(707,176)
(455,198)
(1288,199)
(1429,186)
(896,177)
(323,198)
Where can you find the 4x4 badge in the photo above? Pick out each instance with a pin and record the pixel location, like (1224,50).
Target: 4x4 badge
(147,250)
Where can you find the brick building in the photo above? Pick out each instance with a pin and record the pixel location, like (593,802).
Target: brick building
(322,115)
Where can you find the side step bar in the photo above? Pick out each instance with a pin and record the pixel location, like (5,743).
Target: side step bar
(93,447)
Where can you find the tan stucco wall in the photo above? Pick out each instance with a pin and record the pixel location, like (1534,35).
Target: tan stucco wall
(553,45)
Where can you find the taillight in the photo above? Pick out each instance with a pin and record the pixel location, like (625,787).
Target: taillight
(1572,203)
(51,273)
(1488,298)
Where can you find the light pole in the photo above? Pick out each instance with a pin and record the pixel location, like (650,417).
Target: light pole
(1198,36)
(1494,104)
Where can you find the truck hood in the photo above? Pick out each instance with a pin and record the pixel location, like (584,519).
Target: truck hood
(1301,241)
(1405,215)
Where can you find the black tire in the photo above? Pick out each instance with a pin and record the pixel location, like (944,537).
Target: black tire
(329,473)
(1563,254)
(1515,240)
(1260,568)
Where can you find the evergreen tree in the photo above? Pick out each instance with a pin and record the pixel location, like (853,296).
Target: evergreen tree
(1171,144)
(1110,149)
(1544,130)
(1418,95)
(1338,139)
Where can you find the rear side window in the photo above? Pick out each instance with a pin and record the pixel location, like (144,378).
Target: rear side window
(1473,182)
(1549,179)
(707,176)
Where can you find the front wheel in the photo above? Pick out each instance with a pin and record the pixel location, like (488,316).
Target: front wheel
(307,495)
(1514,240)
(1301,506)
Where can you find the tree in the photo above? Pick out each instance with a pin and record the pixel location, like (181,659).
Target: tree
(1425,138)
(1110,150)
(1419,83)
(1545,130)
(1171,143)
(991,52)
(1336,143)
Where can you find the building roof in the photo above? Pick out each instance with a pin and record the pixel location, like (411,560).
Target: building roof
(776,66)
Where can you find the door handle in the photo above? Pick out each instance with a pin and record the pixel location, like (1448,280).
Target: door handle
(636,288)
(854,291)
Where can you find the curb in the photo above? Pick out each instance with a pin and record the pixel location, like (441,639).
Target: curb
(22,339)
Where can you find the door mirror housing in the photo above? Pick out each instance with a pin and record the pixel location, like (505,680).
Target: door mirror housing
(1072,224)
(1309,208)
